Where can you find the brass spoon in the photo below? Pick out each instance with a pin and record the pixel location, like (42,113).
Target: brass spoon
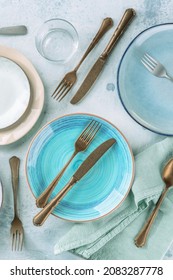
(167,177)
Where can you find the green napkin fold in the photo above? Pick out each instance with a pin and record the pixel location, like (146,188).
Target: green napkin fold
(112,237)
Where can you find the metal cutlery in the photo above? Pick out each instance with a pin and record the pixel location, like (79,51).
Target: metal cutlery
(14,30)
(17,232)
(98,66)
(88,163)
(167,177)
(155,67)
(70,78)
(81,145)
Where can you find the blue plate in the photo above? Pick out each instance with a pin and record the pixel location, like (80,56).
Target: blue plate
(147,98)
(102,189)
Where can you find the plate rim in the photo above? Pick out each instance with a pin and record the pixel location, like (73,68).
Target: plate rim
(129,147)
(118,75)
(29,99)
(23,62)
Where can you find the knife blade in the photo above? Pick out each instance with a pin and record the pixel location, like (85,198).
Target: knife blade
(99,64)
(13,30)
(88,163)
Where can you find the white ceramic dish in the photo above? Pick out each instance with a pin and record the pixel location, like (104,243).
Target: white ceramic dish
(27,121)
(14,93)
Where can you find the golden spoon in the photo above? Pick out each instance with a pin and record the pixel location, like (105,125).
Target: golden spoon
(167,177)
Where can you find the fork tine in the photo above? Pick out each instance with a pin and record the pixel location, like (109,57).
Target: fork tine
(20,241)
(64,93)
(147,60)
(151,58)
(14,241)
(147,65)
(89,128)
(59,90)
(93,134)
(55,91)
(86,128)
(17,240)
(13,236)
(92,129)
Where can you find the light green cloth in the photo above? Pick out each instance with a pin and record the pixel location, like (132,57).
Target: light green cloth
(112,237)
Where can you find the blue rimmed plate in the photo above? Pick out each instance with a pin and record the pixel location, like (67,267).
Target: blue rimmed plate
(102,189)
(148,99)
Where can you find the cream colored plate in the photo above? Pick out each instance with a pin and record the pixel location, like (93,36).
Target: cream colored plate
(27,121)
(14,92)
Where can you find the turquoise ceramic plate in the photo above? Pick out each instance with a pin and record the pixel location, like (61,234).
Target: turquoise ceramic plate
(102,189)
(148,99)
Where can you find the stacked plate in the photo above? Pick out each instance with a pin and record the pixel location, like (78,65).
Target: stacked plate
(15,93)
(21,95)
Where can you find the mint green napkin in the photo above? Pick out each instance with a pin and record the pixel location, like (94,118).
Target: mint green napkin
(112,237)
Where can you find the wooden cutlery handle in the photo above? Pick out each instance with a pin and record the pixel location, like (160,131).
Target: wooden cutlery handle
(141,238)
(41,217)
(124,22)
(105,26)
(14,164)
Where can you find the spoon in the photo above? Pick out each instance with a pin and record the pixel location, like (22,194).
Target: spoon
(167,177)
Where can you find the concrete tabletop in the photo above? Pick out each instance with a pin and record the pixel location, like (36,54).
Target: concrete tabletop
(86,16)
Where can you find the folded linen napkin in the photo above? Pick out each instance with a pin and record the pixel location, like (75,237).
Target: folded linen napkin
(112,237)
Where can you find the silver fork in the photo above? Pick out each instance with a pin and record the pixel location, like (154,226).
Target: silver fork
(155,67)
(17,231)
(81,145)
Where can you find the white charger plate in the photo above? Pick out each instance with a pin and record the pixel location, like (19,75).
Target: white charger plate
(29,118)
(14,92)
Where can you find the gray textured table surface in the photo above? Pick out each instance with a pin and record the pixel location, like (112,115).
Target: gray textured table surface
(86,16)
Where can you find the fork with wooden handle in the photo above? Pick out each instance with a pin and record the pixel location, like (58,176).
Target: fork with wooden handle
(81,144)
(17,232)
(70,78)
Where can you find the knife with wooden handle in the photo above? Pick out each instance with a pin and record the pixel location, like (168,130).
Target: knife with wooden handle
(98,66)
(88,163)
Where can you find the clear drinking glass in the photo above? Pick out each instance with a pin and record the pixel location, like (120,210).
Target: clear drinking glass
(57,40)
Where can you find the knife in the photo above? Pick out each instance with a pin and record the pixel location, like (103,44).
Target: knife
(13,30)
(98,66)
(88,163)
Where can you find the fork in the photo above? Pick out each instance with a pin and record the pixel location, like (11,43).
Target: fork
(80,145)
(17,231)
(155,67)
(70,78)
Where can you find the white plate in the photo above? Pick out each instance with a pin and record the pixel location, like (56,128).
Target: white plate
(14,92)
(27,121)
